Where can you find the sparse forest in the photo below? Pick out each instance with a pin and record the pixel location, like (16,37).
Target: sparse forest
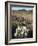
(21,24)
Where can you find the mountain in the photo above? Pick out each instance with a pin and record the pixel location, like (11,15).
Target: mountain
(23,10)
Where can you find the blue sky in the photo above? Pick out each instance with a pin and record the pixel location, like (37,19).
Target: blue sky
(19,8)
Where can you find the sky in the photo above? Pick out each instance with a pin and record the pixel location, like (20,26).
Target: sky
(19,8)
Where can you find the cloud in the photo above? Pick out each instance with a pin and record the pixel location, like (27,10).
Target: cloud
(19,8)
